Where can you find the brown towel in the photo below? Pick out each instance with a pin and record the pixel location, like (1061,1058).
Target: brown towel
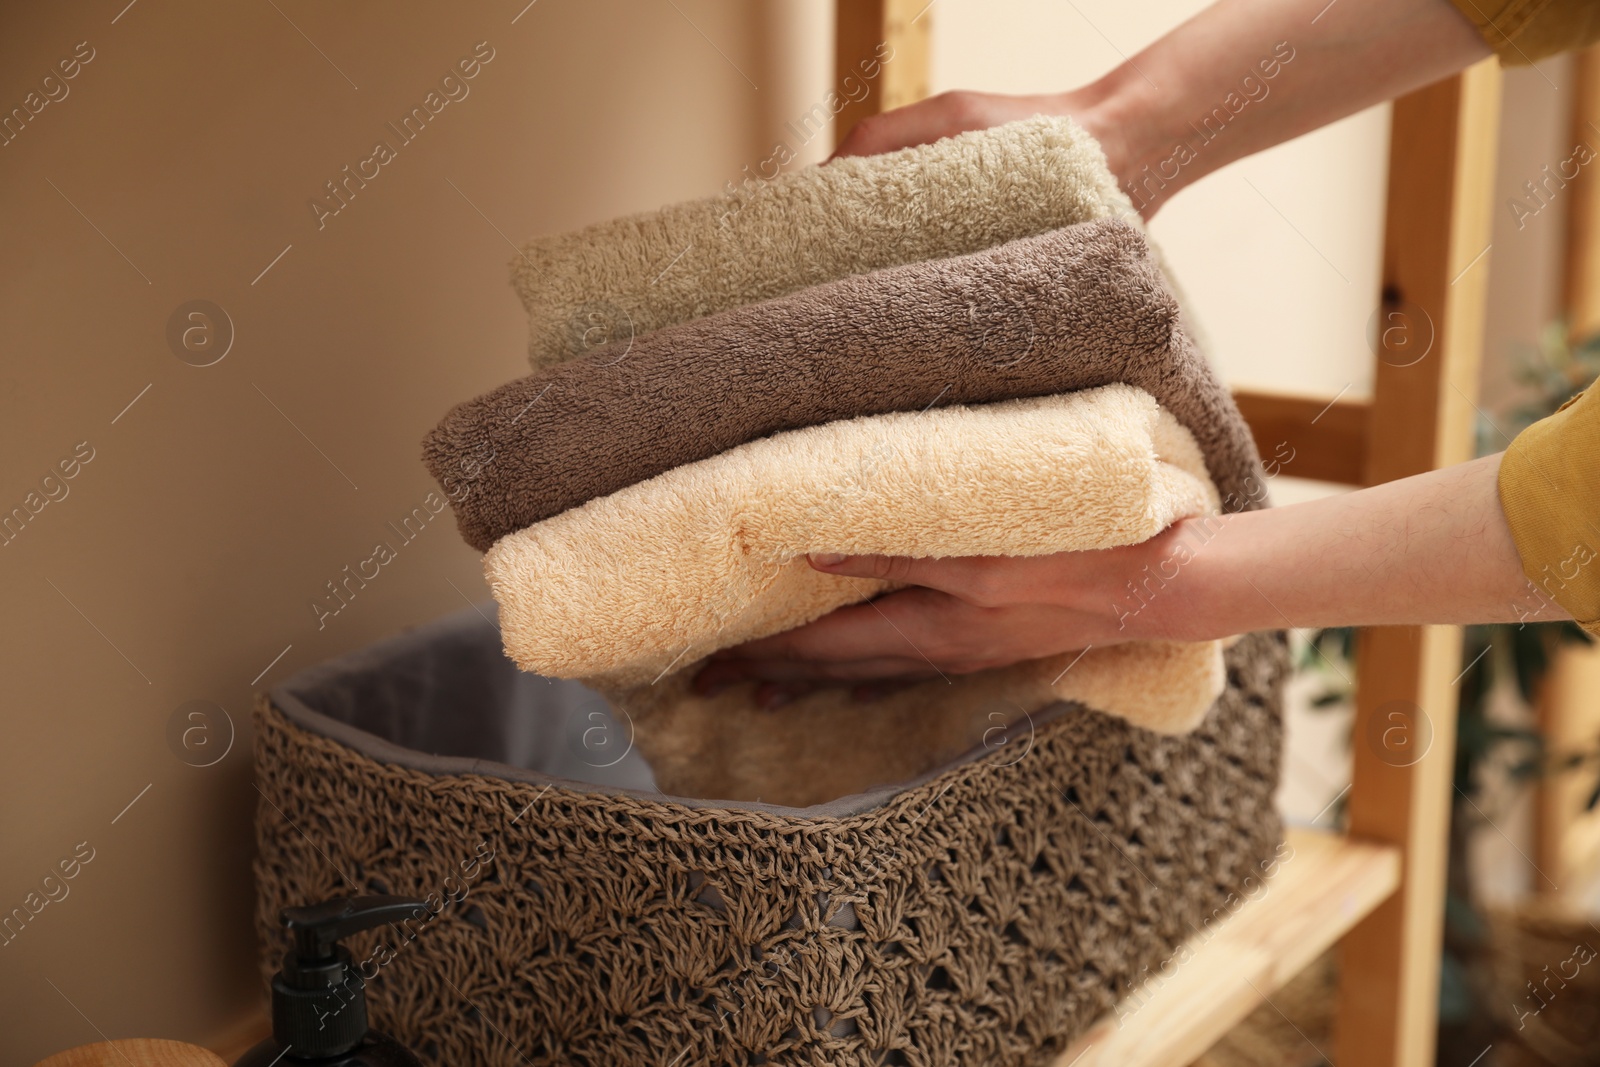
(1074,309)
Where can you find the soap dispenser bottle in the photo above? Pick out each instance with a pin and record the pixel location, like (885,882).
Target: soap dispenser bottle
(319,1002)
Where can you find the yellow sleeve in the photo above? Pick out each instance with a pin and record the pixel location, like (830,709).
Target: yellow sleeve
(1550,490)
(1522,31)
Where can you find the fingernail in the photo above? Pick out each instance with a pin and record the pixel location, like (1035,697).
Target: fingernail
(827,559)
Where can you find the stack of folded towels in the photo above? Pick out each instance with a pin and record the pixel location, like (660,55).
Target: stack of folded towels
(964,348)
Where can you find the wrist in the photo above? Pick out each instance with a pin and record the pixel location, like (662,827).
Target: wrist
(1132,591)
(1126,115)
(1184,584)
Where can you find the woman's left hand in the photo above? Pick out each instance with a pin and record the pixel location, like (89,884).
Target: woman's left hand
(958,615)
(1432,548)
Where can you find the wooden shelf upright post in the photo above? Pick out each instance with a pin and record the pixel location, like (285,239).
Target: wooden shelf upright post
(1435,271)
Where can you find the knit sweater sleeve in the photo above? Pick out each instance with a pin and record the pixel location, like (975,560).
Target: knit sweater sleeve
(1550,490)
(1522,31)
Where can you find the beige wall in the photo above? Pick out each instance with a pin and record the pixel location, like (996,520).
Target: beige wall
(182,560)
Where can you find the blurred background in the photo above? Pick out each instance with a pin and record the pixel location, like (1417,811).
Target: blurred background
(230,465)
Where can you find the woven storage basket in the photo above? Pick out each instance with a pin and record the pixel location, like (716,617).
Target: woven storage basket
(983,914)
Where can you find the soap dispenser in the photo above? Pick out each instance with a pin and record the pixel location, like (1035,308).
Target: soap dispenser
(319,1001)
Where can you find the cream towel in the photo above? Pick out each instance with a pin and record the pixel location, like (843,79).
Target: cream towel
(632,590)
(616,280)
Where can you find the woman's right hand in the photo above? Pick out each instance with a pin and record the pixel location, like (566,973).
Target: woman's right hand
(944,116)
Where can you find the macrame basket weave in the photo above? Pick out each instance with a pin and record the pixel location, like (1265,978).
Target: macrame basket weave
(984,914)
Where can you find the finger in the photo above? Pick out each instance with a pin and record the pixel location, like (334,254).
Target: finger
(856,631)
(920,123)
(904,623)
(988,580)
(939,574)
(876,134)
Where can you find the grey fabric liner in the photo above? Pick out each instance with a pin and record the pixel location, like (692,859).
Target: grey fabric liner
(443,699)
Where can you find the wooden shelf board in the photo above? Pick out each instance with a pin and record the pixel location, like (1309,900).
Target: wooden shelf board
(134,1052)
(243,1035)
(1324,888)
(1309,437)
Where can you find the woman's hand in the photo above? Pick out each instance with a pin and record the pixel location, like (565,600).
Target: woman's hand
(1434,548)
(956,112)
(1240,76)
(966,614)
(957,616)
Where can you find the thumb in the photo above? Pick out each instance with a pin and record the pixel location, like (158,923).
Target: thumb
(946,575)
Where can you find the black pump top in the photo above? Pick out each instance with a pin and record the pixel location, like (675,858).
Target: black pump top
(318,928)
(319,1002)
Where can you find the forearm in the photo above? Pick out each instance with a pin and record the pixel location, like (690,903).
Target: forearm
(1200,97)
(1434,548)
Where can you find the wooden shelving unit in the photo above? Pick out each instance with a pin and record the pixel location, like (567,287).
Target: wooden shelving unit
(1328,884)
(1420,418)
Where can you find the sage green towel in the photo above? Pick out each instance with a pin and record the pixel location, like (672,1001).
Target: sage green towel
(618,280)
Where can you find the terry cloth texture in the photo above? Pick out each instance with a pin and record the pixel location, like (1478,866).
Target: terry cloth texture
(826,745)
(982,917)
(631,591)
(1074,309)
(622,279)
